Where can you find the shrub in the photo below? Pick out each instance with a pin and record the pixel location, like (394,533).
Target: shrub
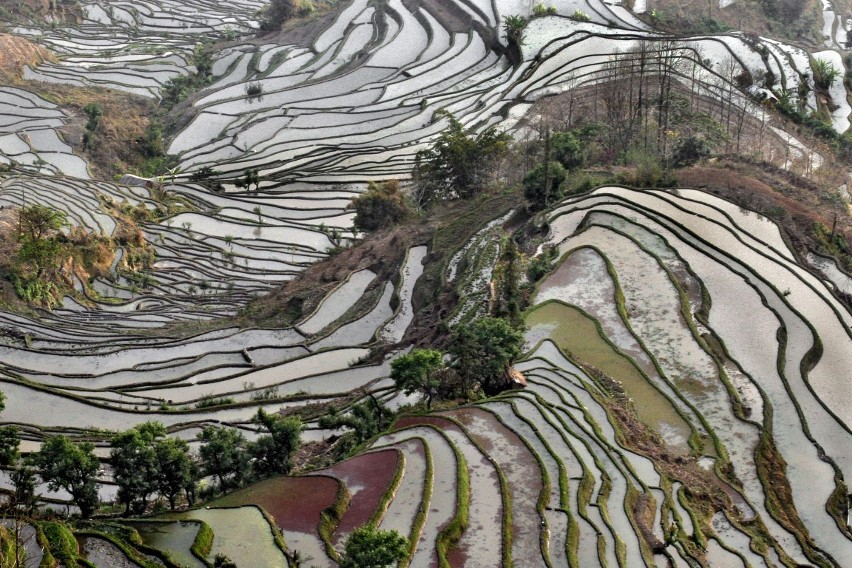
(647,172)
(380,207)
(254,91)
(369,547)
(542,263)
(306,8)
(566,148)
(276,14)
(542,10)
(824,73)
(543,187)
(513,28)
(580,16)
(690,151)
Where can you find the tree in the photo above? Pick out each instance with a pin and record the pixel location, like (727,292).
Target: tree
(543,187)
(9,440)
(62,464)
(484,350)
(24,481)
(273,452)
(223,454)
(368,547)
(507,291)
(176,470)
(417,372)
(134,465)
(456,164)
(380,207)
(567,149)
(365,419)
(36,221)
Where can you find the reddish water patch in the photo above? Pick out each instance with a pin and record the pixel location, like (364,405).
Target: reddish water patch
(294,502)
(368,478)
(409,421)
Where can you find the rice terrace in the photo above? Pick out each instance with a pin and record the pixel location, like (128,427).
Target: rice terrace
(425,283)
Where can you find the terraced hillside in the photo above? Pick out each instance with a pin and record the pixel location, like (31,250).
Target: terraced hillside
(687,369)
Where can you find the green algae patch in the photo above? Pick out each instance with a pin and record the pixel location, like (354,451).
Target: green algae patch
(578,335)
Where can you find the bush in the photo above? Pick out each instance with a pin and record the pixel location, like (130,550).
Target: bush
(380,207)
(306,8)
(690,151)
(581,182)
(566,148)
(63,545)
(542,10)
(647,172)
(254,91)
(368,547)
(580,16)
(541,190)
(513,28)
(542,263)
(276,14)
(824,73)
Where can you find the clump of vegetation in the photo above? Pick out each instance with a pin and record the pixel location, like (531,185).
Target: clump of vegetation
(647,171)
(419,372)
(94,112)
(580,16)
(541,10)
(380,207)
(542,263)
(250,177)
(543,185)
(825,74)
(179,88)
(483,352)
(369,547)
(226,454)
(364,421)
(254,91)
(513,29)
(222,561)
(40,247)
(35,250)
(145,461)
(275,14)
